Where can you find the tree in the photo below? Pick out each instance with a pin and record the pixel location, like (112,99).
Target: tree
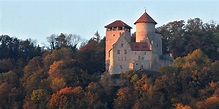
(95,96)
(125,98)
(64,40)
(181,38)
(91,56)
(10,92)
(96,36)
(51,40)
(67,98)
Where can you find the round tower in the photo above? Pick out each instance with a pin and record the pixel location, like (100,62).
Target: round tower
(145,28)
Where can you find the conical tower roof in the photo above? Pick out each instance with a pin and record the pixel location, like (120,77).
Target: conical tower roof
(145,18)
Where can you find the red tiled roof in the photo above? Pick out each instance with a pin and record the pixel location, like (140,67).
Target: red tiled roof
(145,18)
(139,46)
(118,23)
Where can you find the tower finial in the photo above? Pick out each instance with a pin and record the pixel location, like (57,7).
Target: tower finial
(145,9)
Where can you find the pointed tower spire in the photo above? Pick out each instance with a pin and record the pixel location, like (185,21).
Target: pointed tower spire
(145,18)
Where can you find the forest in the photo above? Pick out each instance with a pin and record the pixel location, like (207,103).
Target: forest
(69,73)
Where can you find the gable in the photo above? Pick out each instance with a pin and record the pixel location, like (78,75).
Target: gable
(121,43)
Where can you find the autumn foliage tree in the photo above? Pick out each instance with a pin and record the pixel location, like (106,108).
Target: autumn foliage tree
(67,76)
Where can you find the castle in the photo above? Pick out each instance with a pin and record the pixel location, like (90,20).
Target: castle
(145,53)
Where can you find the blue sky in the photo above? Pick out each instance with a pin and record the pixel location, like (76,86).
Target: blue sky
(38,19)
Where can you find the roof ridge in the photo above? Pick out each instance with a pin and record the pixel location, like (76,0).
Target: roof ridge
(118,23)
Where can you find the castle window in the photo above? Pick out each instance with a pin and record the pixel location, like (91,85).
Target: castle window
(121,44)
(139,57)
(125,51)
(118,51)
(113,34)
(119,28)
(114,28)
(157,45)
(120,66)
(109,29)
(145,53)
(142,58)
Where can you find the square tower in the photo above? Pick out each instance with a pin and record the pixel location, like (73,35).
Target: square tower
(113,31)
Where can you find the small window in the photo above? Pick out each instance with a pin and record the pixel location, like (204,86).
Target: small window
(114,28)
(157,45)
(142,58)
(119,28)
(136,46)
(113,34)
(118,51)
(139,57)
(121,44)
(125,51)
(145,53)
(109,29)
(136,64)
(120,66)
(109,54)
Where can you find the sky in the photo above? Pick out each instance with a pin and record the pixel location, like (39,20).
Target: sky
(38,19)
